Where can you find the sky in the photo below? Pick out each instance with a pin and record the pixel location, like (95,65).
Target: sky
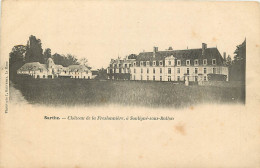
(101,30)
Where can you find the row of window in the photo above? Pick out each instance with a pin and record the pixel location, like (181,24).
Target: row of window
(119,65)
(196,62)
(178,70)
(142,63)
(170,78)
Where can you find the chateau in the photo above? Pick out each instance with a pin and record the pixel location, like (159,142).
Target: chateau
(50,70)
(193,65)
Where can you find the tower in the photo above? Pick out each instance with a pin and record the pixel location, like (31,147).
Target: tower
(50,63)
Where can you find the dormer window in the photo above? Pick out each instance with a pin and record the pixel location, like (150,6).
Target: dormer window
(213,61)
(161,63)
(141,63)
(196,62)
(178,62)
(205,62)
(147,63)
(169,62)
(134,63)
(187,62)
(154,63)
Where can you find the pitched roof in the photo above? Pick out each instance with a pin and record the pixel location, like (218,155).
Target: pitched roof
(183,55)
(59,67)
(33,66)
(79,68)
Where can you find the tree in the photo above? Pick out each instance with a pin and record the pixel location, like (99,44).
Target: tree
(240,52)
(34,50)
(83,61)
(64,60)
(101,74)
(238,67)
(132,56)
(17,54)
(16,59)
(72,60)
(228,61)
(47,54)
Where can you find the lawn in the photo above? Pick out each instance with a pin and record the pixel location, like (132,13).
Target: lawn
(152,94)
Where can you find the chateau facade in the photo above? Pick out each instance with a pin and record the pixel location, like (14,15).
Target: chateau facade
(50,70)
(194,65)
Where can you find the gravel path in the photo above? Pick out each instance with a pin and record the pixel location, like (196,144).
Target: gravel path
(15,95)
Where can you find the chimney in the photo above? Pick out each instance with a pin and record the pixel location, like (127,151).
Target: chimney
(204,47)
(155,49)
(170,48)
(224,55)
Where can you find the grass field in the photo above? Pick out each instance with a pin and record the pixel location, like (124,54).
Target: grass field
(153,94)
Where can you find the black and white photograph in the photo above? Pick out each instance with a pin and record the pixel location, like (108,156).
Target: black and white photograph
(128,60)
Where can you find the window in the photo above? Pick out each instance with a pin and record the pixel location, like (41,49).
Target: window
(188,71)
(205,78)
(154,70)
(147,70)
(141,70)
(169,78)
(125,65)
(134,70)
(196,70)
(205,70)
(214,62)
(178,70)
(178,62)
(154,63)
(169,62)
(187,62)
(134,77)
(161,63)
(147,63)
(169,70)
(120,70)
(160,78)
(134,63)
(141,77)
(147,77)
(119,65)
(196,78)
(141,63)
(196,62)
(205,62)
(214,70)
(178,78)
(160,70)
(154,78)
